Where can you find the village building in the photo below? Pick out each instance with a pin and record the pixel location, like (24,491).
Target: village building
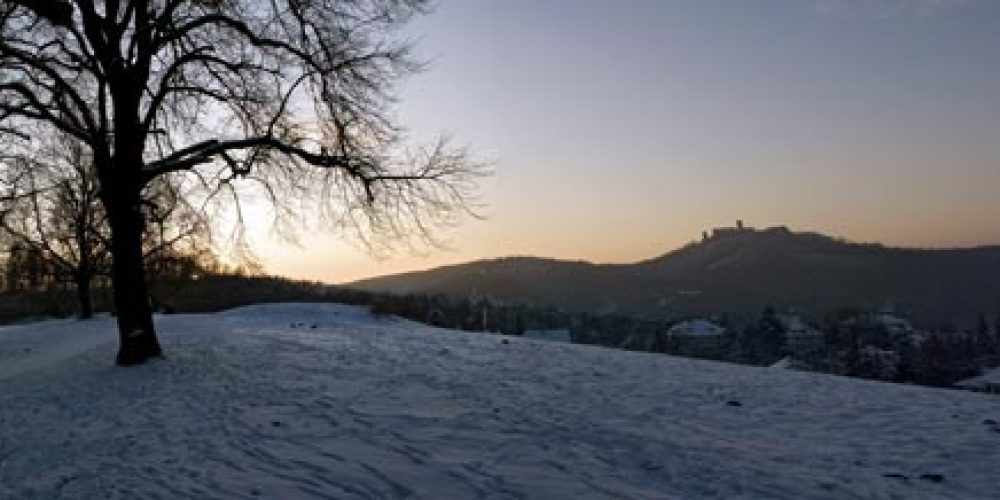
(741,228)
(882,364)
(800,337)
(721,232)
(698,338)
(988,382)
(805,343)
(893,325)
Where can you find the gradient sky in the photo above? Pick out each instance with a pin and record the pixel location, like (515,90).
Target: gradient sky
(622,129)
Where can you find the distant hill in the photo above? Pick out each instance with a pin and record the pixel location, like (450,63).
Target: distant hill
(738,271)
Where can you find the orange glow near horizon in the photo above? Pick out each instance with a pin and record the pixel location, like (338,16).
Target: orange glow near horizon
(623,133)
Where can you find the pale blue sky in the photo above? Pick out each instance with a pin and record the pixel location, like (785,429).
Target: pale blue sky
(621,129)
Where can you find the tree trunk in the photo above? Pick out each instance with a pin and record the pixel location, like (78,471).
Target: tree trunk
(82,274)
(83,296)
(121,190)
(135,317)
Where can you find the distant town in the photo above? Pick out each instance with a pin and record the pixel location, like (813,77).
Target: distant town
(878,344)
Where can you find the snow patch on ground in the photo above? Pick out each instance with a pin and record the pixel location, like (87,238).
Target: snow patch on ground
(26,347)
(300,401)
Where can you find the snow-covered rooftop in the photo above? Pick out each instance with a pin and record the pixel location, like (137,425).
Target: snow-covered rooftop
(794,325)
(991,376)
(783,363)
(326,401)
(696,328)
(892,323)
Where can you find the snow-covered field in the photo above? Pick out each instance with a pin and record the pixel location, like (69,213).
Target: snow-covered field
(292,401)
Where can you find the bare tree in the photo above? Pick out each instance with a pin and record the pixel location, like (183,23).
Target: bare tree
(58,218)
(177,230)
(50,212)
(293,95)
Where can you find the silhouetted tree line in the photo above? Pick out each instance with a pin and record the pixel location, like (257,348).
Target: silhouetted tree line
(34,284)
(54,232)
(476,314)
(860,348)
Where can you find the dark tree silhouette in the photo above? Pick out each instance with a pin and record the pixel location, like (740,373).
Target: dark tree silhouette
(50,212)
(291,94)
(60,222)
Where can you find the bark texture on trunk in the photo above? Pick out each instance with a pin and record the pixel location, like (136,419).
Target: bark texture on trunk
(83,274)
(83,297)
(121,191)
(135,317)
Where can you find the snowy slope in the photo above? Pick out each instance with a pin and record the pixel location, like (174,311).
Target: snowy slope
(248,405)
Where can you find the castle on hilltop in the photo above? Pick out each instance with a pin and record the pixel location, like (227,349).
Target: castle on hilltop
(740,228)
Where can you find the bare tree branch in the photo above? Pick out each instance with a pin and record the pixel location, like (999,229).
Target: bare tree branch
(291,99)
